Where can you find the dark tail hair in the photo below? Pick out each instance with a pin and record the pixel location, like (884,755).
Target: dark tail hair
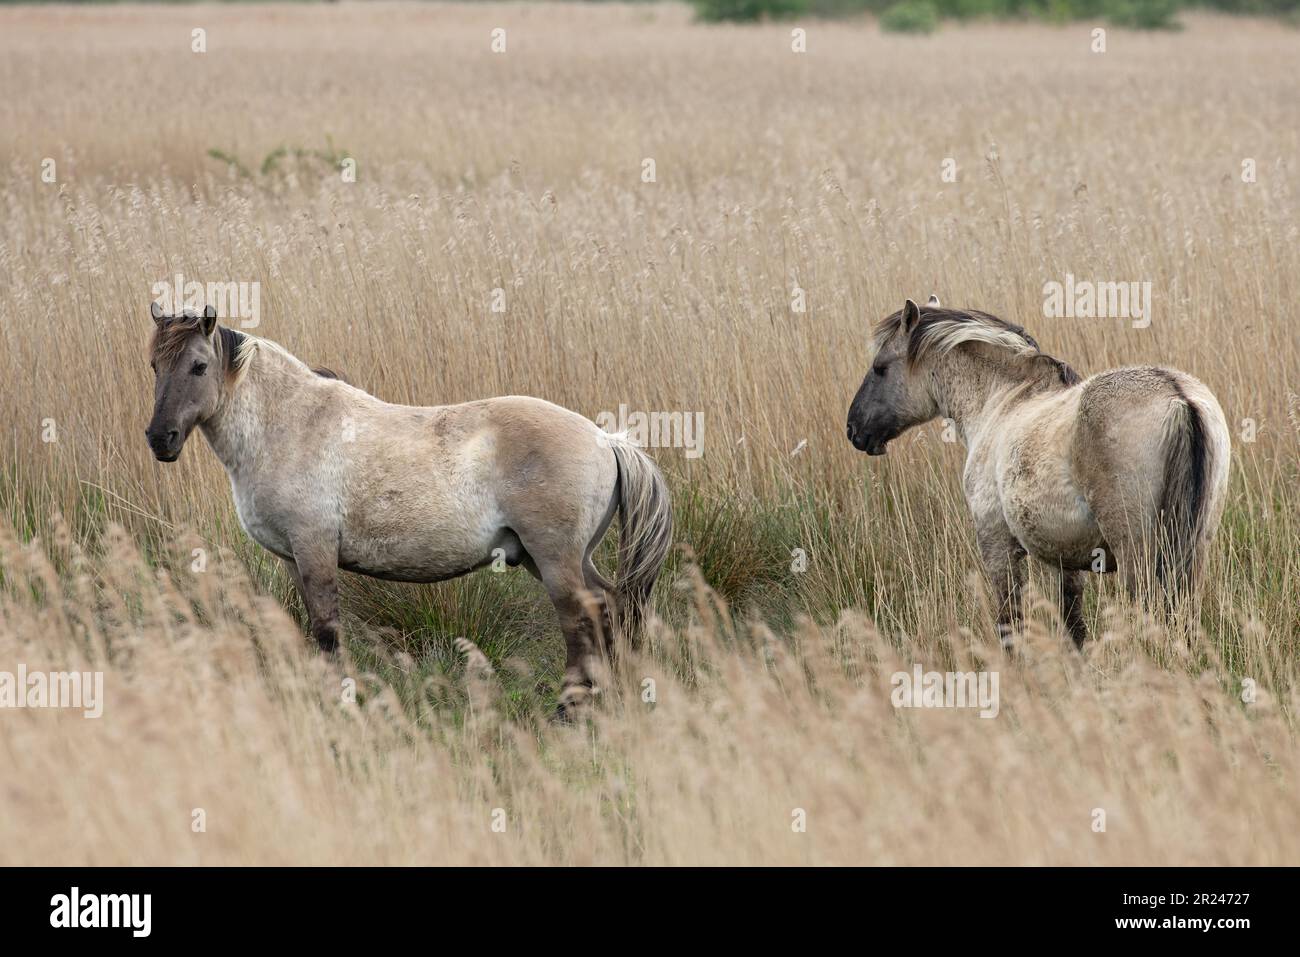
(1183,501)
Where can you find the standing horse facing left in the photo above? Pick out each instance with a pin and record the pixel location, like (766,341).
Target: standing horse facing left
(1129,466)
(327,476)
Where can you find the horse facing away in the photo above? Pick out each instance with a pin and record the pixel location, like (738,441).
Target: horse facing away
(1133,462)
(327,476)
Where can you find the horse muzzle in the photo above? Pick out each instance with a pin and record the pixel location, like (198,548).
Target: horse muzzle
(864,441)
(166,444)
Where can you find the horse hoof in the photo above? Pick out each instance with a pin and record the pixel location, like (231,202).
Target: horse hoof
(574,701)
(327,640)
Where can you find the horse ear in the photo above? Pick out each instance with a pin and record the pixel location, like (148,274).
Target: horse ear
(934,301)
(911,314)
(156,311)
(209,319)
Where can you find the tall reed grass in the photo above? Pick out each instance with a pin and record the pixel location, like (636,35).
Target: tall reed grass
(776,174)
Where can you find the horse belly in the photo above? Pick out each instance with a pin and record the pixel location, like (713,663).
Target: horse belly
(417,540)
(1052,521)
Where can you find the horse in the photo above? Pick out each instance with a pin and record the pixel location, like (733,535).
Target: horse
(1125,471)
(329,477)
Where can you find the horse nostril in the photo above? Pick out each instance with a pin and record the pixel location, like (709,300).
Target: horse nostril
(158,439)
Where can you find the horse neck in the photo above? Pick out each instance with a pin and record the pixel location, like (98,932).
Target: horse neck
(969,387)
(256,404)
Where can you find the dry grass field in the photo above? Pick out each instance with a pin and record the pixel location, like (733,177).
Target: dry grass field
(515,180)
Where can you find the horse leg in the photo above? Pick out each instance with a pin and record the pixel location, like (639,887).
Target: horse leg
(601,599)
(580,621)
(602,594)
(316,574)
(1127,550)
(292,567)
(1004,564)
(1071,596)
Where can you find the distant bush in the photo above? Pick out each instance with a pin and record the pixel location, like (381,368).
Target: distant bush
(715,10)
(910,16)
(1254,6)
(1144,14)
(922,16)
(847,8)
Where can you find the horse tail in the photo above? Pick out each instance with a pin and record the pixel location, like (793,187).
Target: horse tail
(646,530)
(1195,445)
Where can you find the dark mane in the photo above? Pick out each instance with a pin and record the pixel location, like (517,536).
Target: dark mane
(228,343)
(940,330)
(173,333)
(326,373)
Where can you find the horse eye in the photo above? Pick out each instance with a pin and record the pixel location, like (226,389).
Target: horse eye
(879,368)
(199,368)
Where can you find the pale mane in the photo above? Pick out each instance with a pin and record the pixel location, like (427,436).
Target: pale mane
(941,336)
(250,345)
(245,347)
(939,331)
